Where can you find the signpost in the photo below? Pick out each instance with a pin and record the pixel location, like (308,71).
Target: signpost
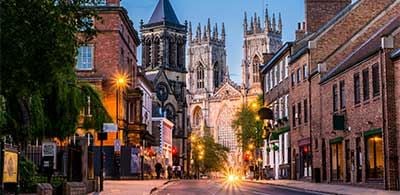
(107,127)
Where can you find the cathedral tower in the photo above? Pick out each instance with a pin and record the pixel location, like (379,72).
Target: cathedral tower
(207,67)
(163,60)
(207,59)
(258,39)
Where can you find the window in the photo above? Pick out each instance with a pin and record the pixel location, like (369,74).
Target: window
(216,75)
(267,81)
(131,112)
(298,75)
(299,112)
(271,79)
(305,111)
(85,58)
(293,79)
(282,73)
(278,75)
(357,90)
(200,77)
(287,106)
(374,157)
(273,76)
(294,115)
(365,74)
(342,94)
(305,71)
(281,107)
(335,98)
(256,73)
(375,80)
(286,67)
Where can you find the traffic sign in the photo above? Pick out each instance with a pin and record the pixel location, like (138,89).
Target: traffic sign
(110,127)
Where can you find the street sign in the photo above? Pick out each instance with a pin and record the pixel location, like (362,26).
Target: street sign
(117,145)
(110,127)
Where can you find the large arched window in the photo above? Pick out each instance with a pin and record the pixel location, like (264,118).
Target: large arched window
(200,76)
(216,75)
(197,117)
(226,134)
(256,71)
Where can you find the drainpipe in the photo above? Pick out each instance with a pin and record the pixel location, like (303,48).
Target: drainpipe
(383,78)
(310,113)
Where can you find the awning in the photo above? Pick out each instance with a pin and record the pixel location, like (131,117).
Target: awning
(336,140)
(373,132)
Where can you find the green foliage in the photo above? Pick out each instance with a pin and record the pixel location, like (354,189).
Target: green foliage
(248,128)
(28,171)
(214,157)
(39,41)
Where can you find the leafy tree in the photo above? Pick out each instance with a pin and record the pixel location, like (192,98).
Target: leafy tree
(247,125)
(39,41)
(208,155)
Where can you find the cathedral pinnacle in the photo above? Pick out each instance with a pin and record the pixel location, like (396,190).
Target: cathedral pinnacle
(280,24)
(205,33)
(245,27)
(208,29)
(223,33)
(215,33)
(198,33)
(273,23)
(190,32)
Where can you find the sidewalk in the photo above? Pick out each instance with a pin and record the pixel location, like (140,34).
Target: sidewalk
(326,188)
(131,187)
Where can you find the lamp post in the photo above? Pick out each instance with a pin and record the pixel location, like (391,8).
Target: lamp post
(120,83)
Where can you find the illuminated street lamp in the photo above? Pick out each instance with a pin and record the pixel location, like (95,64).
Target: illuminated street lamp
(120,82)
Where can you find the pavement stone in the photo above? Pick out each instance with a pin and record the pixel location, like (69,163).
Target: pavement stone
(326,188)
(131,187)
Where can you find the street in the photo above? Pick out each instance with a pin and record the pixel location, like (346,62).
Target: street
(220,187)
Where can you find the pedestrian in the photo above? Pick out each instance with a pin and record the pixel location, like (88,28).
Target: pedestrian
(169,171)
(158,167)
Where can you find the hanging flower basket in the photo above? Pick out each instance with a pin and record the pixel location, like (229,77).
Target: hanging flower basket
(275,147)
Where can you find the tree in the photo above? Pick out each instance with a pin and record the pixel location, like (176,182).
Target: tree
(208,155)
(39,41)
(247,125)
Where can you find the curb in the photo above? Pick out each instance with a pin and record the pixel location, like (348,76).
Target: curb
(296,188)
(165,183)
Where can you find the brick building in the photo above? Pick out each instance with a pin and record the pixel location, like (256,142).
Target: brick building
(111,52)
(335,52)
(275,77)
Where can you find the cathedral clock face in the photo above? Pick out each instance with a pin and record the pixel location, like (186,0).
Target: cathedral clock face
(162,92)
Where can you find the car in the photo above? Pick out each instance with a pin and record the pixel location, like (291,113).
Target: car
(204,176)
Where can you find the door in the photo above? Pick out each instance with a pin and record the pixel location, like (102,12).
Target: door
(358,159)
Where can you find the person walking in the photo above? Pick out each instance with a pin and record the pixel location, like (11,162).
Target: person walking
(158,167)
(169,171)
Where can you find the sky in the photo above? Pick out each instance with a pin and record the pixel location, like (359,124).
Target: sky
(231,12)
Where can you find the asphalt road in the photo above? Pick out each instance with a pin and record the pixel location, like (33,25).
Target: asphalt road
(219,187)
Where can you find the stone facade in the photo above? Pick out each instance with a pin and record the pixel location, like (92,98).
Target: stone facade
(163,60)
(214,98)
(258,39)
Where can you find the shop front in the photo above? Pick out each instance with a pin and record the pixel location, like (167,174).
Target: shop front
(304,159)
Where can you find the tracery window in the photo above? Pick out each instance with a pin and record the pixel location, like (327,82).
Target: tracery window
(200,77)
(256,72)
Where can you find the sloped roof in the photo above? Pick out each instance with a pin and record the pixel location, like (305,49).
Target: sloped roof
(370,47)
(164,13)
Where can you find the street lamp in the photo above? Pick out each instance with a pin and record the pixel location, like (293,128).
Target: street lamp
(120,82)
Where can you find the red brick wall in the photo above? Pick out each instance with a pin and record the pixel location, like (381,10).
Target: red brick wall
(318,12)
(346,28)
(361,117)
(366,33)
(397,92)
(113,36)
(297,94)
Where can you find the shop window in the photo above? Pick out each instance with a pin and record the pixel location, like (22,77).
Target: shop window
(374,157)
(337,161)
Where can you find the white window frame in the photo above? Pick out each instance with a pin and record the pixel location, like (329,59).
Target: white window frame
(78,57)
(286,66)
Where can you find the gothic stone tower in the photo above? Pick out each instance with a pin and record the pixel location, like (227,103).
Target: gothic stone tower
(207,67)
(258,39)
(163,59)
